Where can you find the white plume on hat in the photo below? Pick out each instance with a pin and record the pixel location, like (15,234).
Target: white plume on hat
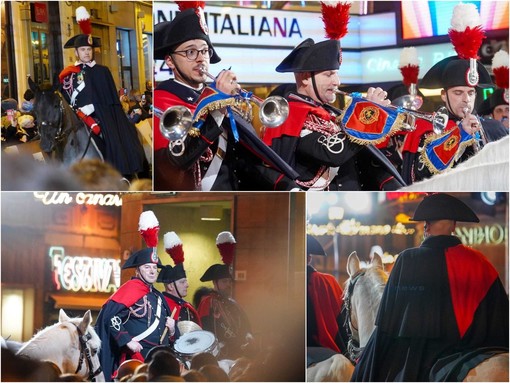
(173,247)
(409,56)
(148,226)
(82,14)
(465,15)
(226,242)
(500,59)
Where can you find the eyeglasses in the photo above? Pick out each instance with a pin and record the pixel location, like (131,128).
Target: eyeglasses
(192,54)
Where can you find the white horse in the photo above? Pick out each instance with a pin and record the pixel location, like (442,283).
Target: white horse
(72,344)
(338,368)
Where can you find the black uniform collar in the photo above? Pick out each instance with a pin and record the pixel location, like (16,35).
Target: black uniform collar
(441,241)
(185,93)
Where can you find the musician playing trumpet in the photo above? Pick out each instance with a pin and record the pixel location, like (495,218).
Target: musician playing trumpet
(214,157)
(312,140)
(426,151)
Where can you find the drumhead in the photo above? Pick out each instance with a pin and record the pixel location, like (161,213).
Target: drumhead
(195,342)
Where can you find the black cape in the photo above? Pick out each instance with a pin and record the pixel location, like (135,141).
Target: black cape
(417,332)
(122,146)
(129,293)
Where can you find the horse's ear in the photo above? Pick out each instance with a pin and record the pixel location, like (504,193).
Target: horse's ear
(56,82)
(62,316)
(32,85)
(353,264)
(86,321)
(377,261)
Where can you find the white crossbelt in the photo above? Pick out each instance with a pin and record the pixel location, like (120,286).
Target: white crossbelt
(76,91)
(153,326)
(214,168)
(325,179)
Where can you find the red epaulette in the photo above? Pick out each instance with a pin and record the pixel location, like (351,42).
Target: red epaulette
(67,71)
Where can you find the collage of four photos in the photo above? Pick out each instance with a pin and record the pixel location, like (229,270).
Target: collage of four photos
(295,191)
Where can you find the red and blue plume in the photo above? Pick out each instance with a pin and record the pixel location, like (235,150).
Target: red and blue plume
(83,20)
(466,32)
(335,15)
(173,247)
(409,66)
(148,226)
(183,5)
(226,244)
(500,69)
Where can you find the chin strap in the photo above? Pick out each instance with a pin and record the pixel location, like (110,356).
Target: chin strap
(314,84)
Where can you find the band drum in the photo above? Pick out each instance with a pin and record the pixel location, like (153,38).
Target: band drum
(196,342)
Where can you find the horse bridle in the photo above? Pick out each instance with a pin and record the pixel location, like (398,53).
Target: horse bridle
(85,354)
(353,348)
(61,133)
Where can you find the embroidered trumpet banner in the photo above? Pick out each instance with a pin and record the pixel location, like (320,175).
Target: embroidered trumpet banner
(212,99)
(368,123)
(441,150)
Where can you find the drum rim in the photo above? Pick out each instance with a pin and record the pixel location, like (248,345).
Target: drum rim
(183,338)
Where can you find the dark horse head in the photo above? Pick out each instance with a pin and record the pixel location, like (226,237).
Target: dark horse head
(49,112)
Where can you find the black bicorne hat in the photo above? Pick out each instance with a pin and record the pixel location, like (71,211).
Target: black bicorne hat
(169,274)
(453,71)
(495,99)
(311,57)
(142,257)
(187,25)
(83,41)
(313,247)
(441,206)
(216,271)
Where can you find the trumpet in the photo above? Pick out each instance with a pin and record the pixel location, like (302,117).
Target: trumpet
(439,119)
(176,121)
(273,111)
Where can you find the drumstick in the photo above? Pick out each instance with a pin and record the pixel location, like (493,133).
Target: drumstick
(165,331)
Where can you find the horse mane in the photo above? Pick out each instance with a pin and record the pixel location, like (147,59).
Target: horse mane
(375,275)
(365,297)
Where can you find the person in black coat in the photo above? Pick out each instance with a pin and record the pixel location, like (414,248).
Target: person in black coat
(90,88)
(312,141)
(134,318)
(444,308)
(224,153)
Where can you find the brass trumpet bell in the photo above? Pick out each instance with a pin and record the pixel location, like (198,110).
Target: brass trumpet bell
(175,122)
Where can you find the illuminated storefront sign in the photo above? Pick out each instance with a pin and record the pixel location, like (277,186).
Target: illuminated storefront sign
(81,273)
(237,26)
(383,64)
(63,198)
(255,40)
(352,227)
(484,235)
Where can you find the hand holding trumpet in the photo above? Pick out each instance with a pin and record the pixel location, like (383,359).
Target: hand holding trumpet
(378,95)
(226,82)
(470,122)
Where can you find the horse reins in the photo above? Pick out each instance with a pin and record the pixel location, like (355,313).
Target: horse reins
(61,134)
(353,348)
(85,354)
